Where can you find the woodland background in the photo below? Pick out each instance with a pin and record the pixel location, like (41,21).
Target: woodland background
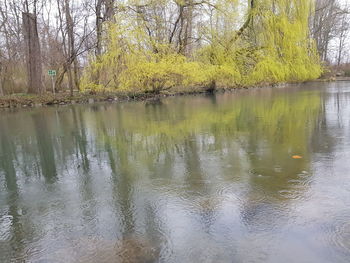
(155,45)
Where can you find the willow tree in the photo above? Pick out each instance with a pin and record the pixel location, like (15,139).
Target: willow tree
(271,45)
(157,45)
(286,51)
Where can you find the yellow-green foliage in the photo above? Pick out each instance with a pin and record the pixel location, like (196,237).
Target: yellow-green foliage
(128,66)
(289,54)
(155,72)
(275,47)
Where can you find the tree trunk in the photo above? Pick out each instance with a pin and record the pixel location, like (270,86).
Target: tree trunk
(76,74)
(99,20)
(72,78)
(1,88)
(105,11)
(189,30)
(59,79)
(110,10)
(1,81)
(101,17)
(33,53)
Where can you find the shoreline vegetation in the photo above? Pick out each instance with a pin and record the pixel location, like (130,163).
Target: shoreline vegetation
(61,99)
(272,46)
(148,48)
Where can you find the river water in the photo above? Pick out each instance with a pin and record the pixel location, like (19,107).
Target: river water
(260,175)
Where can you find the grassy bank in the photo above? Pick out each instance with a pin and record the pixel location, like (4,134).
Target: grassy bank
(61,99)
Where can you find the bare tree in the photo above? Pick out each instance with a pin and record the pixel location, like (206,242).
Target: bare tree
(33,53)
(329,16)
(343,35)
(72,78)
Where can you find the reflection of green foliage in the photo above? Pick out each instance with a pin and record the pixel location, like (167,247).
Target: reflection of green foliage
(251,133)
(255,132)
(280,116)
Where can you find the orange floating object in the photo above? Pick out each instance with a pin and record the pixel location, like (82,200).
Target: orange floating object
(297,157)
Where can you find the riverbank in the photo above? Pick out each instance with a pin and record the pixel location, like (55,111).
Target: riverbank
(61,99)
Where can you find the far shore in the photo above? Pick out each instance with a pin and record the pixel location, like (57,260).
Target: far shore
(64,98)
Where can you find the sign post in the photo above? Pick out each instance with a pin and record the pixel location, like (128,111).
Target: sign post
(52,74)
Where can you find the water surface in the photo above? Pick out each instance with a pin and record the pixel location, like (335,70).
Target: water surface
(184,179)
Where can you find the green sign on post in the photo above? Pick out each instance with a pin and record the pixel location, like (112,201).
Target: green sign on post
(52,72)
